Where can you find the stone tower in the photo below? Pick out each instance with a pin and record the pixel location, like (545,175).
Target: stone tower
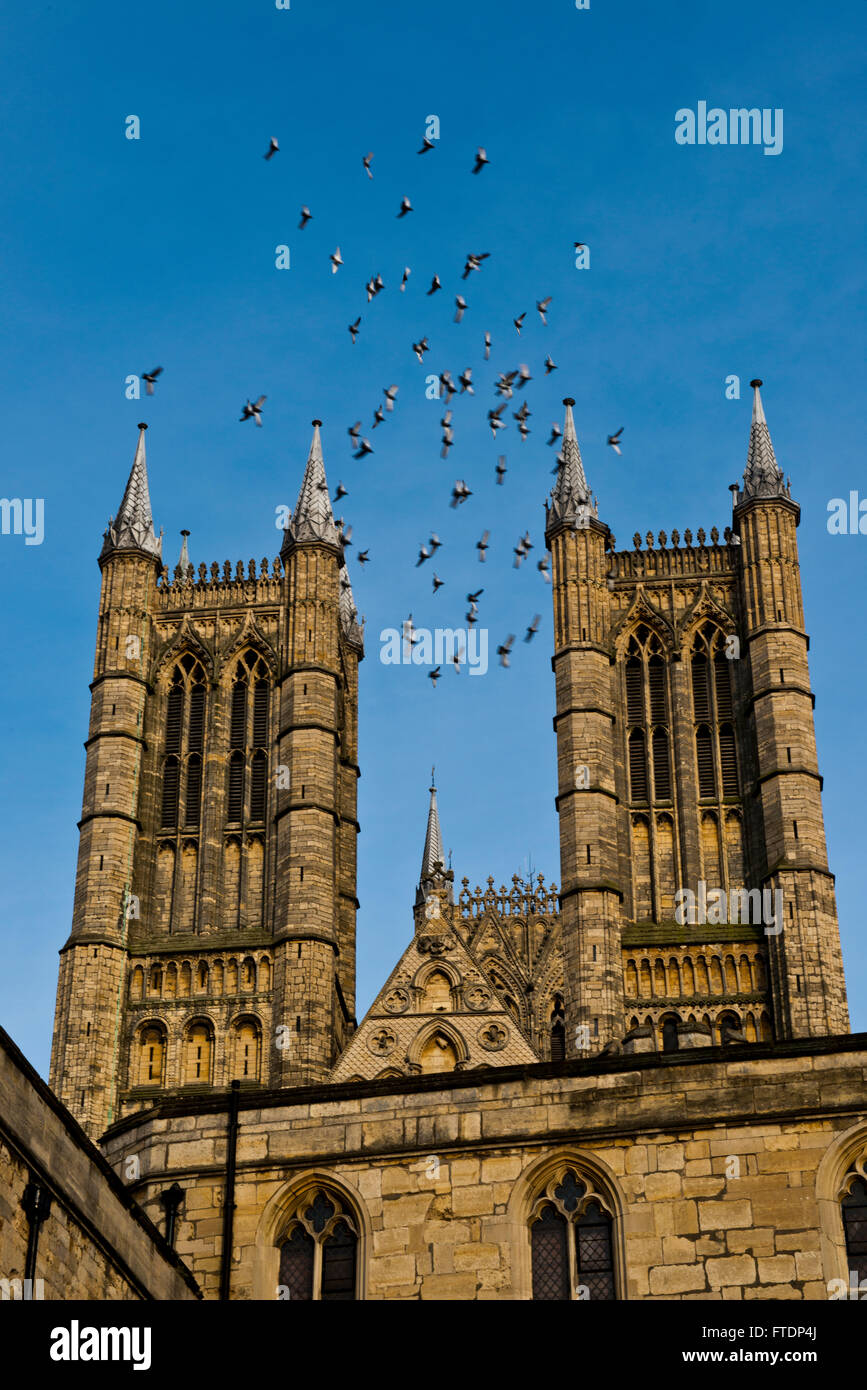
(213,930)
(696,902)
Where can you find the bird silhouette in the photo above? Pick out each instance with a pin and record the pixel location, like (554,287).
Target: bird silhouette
(254,411)
(150,378)
(273,147)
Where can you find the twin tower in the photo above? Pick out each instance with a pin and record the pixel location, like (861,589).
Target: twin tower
(213,933)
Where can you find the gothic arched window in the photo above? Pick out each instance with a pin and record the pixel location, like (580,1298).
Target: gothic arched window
(670,1041)
(713,713)
(198,1047)
(184,745)
(854,1209)
(571,1245)
(319,1251)
(151,1055)
(646,682)
(249,739)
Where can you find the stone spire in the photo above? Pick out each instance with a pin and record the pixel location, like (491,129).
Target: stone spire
(184,558)
(570,496)
(313,519)
(763,476)
(133,527)
(433,850)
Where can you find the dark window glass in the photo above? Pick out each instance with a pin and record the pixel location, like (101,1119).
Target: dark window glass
(558,1043)
(550,1256)
(296,1265)
(855,1227)
(594,1253)
(669,1036)
(338,1265)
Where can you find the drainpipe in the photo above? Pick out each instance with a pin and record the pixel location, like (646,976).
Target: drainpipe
(170,1200)
(229,1193)
(36,1202)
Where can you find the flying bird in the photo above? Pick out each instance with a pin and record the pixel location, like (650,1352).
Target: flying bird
(363,557)
(533,628)
(519,320)
(420,349)
(344,532)
(460,493)
(434,676)
(481,160)
(272,149)
(474,262)
(437,582)
(504,384)
(462,304)
(543,569)
(405,207)
(406,274)
(378,416)
(466,381)
(542,306)
(306,216)
(482,545)
(448,440)
(524,374)
(254,411)
(150,378)
(354,432)
(501,468)
(487,346)
(336,261)
(423,554)
(504,650)
(366,162)
(341,492)
(579,245)
(434,543)
(473,599)
(472,617)
(550,366)
(614,440)
(364,448)
(556,433)
(523,429)
(390,393)
(425,145)
(447,384)
(435,284)
(494,419)
(353,328)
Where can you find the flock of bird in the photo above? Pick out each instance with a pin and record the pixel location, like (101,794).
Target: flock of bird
(507,384)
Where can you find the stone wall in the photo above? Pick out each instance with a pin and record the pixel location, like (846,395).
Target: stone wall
(95,1242)
(721,1171)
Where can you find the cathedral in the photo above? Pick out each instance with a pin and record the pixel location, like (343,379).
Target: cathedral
(637,1083)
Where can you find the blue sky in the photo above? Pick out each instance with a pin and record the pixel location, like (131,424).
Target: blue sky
(120,255)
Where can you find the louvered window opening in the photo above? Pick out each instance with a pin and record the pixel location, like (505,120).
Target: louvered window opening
(238,735)
(700,693)
(193,806)
(174,719)
(260,715)
(661,766)
(723,681)
(258,770)
(236,787)
(637,766)
(171,788)
(728,760)
(634,691)
(196,732)
(656,683)
(704,757)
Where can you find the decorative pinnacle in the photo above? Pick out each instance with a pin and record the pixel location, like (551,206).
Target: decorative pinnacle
(763,476)
(133,527)
(313,519)
(570,496)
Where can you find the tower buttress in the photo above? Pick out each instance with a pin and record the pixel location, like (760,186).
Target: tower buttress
(806,967)
(86,1045)
(590,893)
(314,924)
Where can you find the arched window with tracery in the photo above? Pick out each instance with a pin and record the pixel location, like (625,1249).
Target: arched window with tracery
(713,714)
(571,1241)
(183,764)
(647,720)
(319,1250)
(249,710)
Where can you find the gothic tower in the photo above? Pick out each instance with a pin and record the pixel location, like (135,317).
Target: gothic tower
(89,1016)
(806,965)
(696,902)
(213,930)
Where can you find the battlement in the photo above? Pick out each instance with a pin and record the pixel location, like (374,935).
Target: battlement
(188,588)
(666,560)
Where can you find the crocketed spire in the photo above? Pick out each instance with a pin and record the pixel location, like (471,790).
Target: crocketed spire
(763,476)
(570,496)
(313,519)
(184,558)
(433,848)
(133,527)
